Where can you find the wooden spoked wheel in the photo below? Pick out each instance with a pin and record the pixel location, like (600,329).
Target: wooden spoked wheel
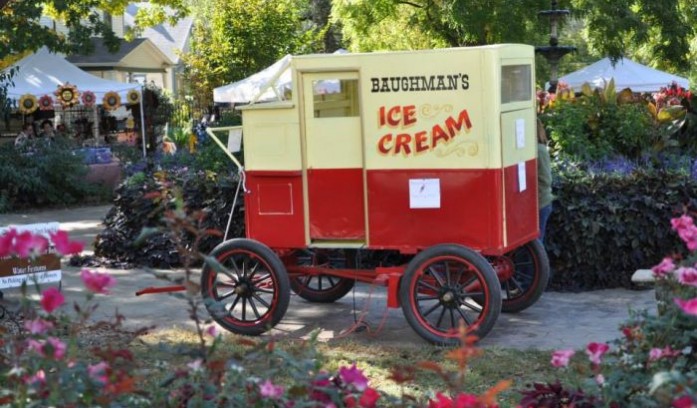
(448,284)
(529,272)
(322,288)
(250,293)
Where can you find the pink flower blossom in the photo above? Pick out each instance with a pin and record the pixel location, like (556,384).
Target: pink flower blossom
(687,231)
(560,358)
(687,276)
(600,379)
(38,326)
(39,377)
(51,299)
(195,365)
(97,282)
(657,353)
(596,351)
(684,402)
(353,376)
(664,268)
(687,306)
(369,398)
(212,331)
(268,390)
(51,347)
(7,242)
(63,244)
(27,244)
(98,372)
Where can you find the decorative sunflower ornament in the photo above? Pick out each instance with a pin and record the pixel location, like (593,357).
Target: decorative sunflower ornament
(111,101)
(133,97)
(46,103)
(67,95)
(28,104)
(88,98)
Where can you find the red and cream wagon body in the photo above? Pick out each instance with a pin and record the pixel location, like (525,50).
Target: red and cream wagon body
(416,170)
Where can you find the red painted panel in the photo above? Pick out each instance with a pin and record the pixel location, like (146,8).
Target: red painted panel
(470,213)
(521,207)
(274,208)
(336,204)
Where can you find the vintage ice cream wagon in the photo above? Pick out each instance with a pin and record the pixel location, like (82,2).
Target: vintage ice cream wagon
(415,170)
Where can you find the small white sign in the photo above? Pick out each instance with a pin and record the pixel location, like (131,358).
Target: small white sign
(522,177)
(424,193)
(520,133)
(234,140)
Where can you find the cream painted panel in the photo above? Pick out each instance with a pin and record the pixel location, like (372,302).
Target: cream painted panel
(271,139)
(512,123)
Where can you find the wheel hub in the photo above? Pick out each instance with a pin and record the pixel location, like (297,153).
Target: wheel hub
(244,289)
(504,267)
(448,297)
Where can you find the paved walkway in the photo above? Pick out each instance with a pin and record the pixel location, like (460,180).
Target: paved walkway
(558,320)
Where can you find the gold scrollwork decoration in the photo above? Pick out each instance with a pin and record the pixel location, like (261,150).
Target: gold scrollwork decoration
(429,111)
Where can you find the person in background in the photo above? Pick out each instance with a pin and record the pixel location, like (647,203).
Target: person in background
(544,179)
(47,131)
(26,134)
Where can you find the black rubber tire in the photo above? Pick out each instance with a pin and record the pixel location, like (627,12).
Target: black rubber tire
(529,280)
(452,295)
(339,287)
(270,289)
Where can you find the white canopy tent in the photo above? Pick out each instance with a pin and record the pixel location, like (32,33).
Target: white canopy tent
(268,84)
(627,74)
(42,72)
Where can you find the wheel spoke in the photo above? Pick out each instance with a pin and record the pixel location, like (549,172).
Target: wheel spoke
(428,286)
(244,308)
(452,318)
(508,289)
(331,281)
(467,320)
(470,306)
(263,290)
(234,303)
(517,264)
(516,284)
(254,308)
(223,297)
(426,297)
(262,301)
(435,275)
(460,271)
(234,266)
(253,271)
(319,279)
(440,318)
(429,311)
(256,282)
(447,272)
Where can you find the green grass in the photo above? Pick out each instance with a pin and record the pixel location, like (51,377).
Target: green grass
(175,348)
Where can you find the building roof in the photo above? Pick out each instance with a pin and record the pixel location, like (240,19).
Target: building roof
(172,40)
(102,55)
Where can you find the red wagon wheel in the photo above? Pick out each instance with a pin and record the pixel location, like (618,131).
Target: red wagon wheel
(446,284)
(251,295)
(323,288)
(528,268)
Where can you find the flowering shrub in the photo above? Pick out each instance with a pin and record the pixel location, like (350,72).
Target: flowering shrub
(653,363)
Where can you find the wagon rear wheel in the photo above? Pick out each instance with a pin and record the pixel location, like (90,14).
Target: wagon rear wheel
(439,289)
(530,274)
(323,288)
(251,294)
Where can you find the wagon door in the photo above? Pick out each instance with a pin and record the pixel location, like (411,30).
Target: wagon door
(333,156)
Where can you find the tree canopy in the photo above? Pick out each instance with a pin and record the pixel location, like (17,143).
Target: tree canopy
(21,30)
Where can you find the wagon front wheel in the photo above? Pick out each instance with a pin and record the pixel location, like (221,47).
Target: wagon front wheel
(445,285)
(248,291)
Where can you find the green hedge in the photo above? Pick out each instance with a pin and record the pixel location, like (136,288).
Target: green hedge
(44,175)
(605,227)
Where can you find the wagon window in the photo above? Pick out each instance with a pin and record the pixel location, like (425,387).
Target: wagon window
(335,98)
(516,83)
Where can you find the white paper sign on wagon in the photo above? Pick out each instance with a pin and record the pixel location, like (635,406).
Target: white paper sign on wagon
(424,193)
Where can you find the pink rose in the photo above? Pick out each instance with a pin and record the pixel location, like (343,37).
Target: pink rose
(370,398)
(97,282)
(51,299)
(27,244)
(63,244)
(596,351)
(39,377)
(560,358)
(98,372)
(655,354)
(664,268)
(687,306)
(352,375)
(212,331)
(58,347)
(687,276)
(7,242)
(599,379)
(38,326)
(268,390)
(684,402)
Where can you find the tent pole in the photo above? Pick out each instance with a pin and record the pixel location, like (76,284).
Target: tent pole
(142,120)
